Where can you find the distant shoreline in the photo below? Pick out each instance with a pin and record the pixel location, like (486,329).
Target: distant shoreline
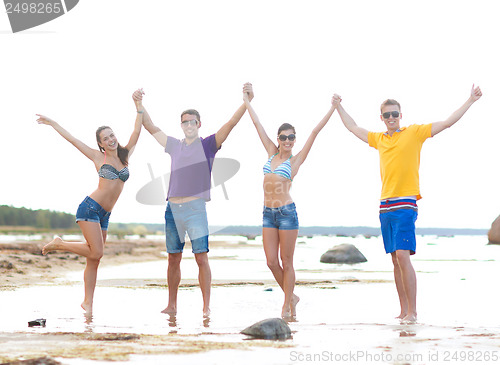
(252,231)
(350,231)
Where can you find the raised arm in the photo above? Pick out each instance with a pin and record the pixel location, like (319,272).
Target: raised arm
(302,155)
(266,141)
(351,125)
(438,127)
(137,126)
(156,132)
(82,147)
(224,131)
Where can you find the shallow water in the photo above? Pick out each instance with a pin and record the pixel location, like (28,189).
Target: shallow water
(456,299)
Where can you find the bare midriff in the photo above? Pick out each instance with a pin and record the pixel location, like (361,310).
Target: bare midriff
(107,193)
(182,199)
(276,191)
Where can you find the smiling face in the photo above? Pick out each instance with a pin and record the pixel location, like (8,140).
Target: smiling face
(287,144)
(190,125)
(391,122)
(107,139)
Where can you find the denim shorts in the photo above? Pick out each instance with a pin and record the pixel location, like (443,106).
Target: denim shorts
(398,230)
(90,211)
(190,218)
(283,218)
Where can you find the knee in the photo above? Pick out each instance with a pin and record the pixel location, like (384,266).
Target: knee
(273,263)
(402,256)
(96,255)
(93,263)
(201,259)
(174,259)
(401,259)
(287,263)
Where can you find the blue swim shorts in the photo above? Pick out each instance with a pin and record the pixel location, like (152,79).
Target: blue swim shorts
(282,218)
(397,220)
(90,211)
(190,218)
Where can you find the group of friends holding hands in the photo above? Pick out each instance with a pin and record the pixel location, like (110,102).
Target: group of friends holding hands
(190,182)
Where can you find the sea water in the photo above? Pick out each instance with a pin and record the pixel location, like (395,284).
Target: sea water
(456,279)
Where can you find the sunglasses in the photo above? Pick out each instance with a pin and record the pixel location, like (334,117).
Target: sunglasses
(283,137)
(189,122)
(387,115)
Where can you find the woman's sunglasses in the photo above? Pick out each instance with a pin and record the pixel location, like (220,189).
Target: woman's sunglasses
(290,137)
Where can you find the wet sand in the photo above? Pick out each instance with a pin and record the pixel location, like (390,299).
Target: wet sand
(22,262)
(345,314)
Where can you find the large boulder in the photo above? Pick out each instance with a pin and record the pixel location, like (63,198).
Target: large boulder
(343,254)
(271,329)
(494,232)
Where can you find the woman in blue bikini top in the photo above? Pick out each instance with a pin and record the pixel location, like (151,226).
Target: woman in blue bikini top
(111,162)
(280,221)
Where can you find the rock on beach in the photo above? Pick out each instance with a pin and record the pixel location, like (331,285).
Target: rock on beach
(494,232)
(343,254)
(271,328)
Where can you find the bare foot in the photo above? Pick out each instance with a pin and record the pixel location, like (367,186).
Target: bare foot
(52,245)
(293,306)
(86,307)
(285,312)
(170,310)
(409,319)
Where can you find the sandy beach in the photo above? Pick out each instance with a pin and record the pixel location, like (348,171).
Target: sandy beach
(346,313)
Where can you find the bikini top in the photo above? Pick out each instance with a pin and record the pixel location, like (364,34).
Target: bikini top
(283,170)
(111,173)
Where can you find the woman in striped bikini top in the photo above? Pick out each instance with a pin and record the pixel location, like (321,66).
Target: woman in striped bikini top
(93,214)
(280,221)
(283,170)
(109,172)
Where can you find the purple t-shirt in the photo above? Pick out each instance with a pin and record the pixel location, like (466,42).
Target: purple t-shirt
(191,167)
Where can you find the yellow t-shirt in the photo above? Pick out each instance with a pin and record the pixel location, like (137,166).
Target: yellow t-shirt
(400,159)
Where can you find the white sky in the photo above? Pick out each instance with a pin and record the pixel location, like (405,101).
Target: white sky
(82,68)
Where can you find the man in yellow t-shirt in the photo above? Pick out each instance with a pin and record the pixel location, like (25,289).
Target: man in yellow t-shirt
(399,150)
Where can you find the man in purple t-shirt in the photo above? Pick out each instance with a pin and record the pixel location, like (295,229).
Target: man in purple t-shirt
(189,189)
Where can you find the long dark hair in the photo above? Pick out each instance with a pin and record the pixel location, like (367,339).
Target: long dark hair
(122,151)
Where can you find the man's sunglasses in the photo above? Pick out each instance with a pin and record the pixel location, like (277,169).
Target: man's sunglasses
(283,137)
(189,122)
(394,114)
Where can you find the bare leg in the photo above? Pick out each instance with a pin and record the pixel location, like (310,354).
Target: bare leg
(173,281)
(272,243)
(409,281)
(93,247)
(287,249)
(399,287)
(90,280)
(205,280)
(96,239)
